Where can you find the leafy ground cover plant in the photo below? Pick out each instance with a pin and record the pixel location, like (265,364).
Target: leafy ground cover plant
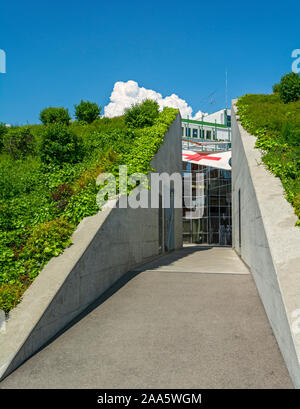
(141,115)
(289,88)
(18,142)
(60,144)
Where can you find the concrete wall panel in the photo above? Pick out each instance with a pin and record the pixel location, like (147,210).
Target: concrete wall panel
(270,242)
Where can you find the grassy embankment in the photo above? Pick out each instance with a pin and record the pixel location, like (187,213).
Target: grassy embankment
(277,127)
(42,202)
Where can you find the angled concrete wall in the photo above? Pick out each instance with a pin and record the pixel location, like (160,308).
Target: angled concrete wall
(105,247)
(265,236)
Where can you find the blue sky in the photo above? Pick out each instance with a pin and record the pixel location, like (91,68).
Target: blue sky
(60,52)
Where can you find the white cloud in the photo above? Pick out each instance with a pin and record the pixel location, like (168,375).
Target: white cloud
(127,93)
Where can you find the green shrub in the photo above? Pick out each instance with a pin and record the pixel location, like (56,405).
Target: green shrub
(18,142)
(10,296)
(289,89)
(276,88)
(53,115)
(87,111)
(141,115)
(60,144)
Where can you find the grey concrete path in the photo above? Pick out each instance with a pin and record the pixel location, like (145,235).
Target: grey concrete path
(192,319)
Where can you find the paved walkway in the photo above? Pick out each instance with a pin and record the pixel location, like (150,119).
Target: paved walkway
(192,319)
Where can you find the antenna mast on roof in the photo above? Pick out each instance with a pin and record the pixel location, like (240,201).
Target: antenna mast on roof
(212,101)
(226,89)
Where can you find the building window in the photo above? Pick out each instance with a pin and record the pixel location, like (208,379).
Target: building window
(187,131)
(208,134)
(182,131)
(195,133)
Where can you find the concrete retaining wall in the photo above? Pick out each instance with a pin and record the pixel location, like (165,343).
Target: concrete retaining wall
(265,236)
(105,247)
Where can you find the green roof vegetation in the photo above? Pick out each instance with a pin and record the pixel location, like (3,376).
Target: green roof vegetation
(277,127)
(48,182)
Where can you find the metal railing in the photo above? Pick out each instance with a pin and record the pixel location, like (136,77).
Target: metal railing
(205,145)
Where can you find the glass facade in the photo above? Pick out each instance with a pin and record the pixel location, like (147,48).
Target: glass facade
(213,227)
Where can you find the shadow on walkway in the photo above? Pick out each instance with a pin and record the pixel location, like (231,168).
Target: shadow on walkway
(163,260)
